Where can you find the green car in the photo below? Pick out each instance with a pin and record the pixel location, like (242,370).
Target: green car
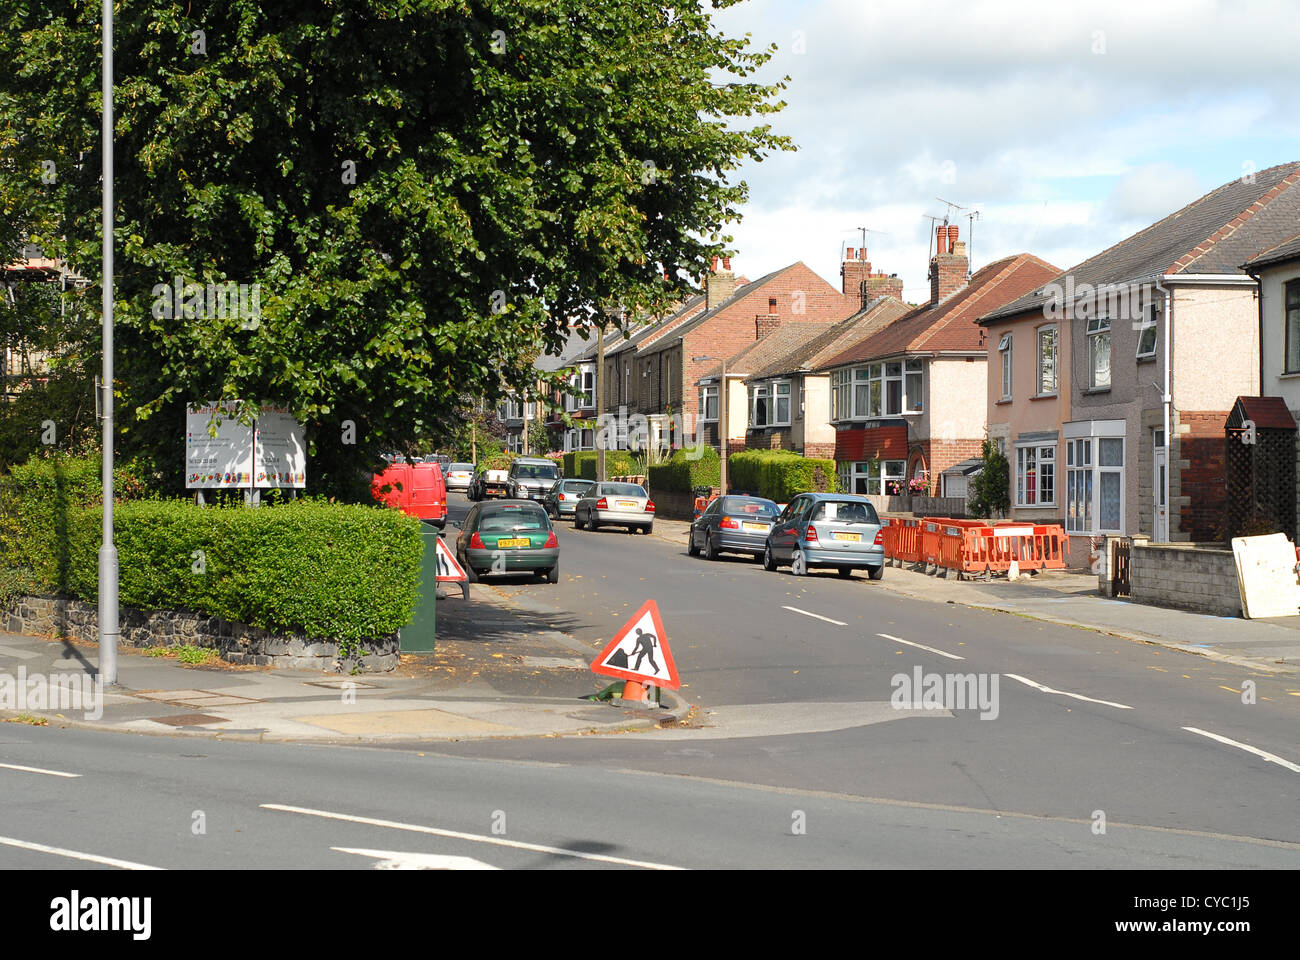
(508,536)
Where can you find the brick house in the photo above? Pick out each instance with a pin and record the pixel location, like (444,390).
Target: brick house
(909,401)
(661,365)
(1143,440)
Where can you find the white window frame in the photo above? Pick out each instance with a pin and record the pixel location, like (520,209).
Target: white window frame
(757,392)
(1041,454)
(841,394)
(874,380)
(875,476)
(1097,330)
(1004,352)
(775,392)
(913,368)
(1046,390)
(1150,323)
(708,392)
(1083,480)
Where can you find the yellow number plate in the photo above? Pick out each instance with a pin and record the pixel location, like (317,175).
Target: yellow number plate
(513,542)
(627,503)
(761,527)
(851,537)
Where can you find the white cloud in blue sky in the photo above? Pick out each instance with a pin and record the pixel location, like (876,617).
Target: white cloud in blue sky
(1006,106)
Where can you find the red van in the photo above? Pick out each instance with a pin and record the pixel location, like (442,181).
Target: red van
(417,489)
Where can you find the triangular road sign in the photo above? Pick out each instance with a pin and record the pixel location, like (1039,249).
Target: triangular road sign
(448,566)
(640,651)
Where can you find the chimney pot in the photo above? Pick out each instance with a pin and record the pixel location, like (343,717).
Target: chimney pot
(952,235)
(941,238)
(849,255)
(715,264)
(726,263)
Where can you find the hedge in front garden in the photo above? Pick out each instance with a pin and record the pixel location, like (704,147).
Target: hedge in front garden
(683,474)
(335,572)
(780,475)
(618,463)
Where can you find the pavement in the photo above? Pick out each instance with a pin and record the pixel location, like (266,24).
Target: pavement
(1073,599)
(498,671)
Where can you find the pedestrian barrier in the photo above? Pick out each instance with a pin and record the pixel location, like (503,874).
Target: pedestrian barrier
(971,547)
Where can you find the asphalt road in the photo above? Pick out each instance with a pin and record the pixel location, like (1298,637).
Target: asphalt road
(799,761)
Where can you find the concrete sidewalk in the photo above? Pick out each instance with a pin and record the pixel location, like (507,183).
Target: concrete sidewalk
(1271,646)
(498,671)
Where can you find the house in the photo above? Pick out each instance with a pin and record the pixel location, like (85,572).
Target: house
(1262,430)
(909,401)
(664,364)
(787,404)
(1159,335)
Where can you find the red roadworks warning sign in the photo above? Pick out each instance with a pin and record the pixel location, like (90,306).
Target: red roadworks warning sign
(639,652)
(449,568)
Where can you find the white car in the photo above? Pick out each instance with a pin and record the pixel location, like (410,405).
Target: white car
(460,476)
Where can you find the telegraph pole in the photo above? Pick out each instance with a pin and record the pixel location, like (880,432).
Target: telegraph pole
(600,402)
(723,445)
(108,571)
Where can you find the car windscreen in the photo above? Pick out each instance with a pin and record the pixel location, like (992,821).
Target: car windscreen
(749,506)
(536,471)
(622,490)
(512,518)
(845,511)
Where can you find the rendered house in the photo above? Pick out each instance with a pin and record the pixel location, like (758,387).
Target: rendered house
(1126,462)
(910,401)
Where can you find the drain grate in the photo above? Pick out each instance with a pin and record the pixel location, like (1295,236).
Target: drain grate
(189,720)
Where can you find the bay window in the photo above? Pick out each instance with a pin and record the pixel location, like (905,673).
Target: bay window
(841,386)
(1036,475)
(889,389)
(1094,485)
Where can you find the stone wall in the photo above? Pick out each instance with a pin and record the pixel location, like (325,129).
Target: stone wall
(235,642)
(1191,576)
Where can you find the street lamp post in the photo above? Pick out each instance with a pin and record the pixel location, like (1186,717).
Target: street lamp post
(108,571)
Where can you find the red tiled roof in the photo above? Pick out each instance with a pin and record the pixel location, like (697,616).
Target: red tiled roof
(950,324)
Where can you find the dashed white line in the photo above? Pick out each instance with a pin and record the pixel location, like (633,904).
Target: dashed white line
(48,773)
(1270,757)
(1065,693)
(76,854)
(818,616)
(922,646)
(473,837)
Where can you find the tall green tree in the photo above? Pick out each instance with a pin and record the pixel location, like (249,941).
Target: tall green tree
(990,493)
(419,193)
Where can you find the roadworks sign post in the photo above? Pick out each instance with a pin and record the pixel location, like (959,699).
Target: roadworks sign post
(639,654)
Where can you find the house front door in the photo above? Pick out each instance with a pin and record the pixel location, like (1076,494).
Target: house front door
(1160,468)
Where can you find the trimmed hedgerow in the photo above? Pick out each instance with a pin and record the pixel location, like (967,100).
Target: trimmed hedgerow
(780,474)
(683,472)
(336,572)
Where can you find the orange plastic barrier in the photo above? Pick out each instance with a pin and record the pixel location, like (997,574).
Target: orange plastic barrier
(975,546)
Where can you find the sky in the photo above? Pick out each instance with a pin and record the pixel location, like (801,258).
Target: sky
(1067,126)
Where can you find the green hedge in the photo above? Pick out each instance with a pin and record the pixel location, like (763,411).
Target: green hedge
(581,465)
(336,572)
(780,474)
(682,474)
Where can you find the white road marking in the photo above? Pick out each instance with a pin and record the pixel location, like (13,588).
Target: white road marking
(14,652)
(1270,757)
(76,855)
(405,860)
(474,837)
(942,653)
(49,773)
(817,616)
(1065,693)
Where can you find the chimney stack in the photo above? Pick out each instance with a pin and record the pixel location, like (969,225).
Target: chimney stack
(950,267)
(854,272)
(720,284)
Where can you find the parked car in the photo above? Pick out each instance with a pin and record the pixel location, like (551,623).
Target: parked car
(508,536)
(488,483)
(417,489)
(562,499)
(460,476)
(827,530)
(732,525)
(621,504)
(529,478)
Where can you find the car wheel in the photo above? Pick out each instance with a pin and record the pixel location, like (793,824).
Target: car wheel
(470,573)
(877,573)
(648,529)
(553,574)
(710,548)
(577,520)
(593,523)
(798,563)
(691,549)
(769,561)
(846,572)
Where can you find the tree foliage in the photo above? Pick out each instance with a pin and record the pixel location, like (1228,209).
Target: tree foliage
(990,493)
(424,192)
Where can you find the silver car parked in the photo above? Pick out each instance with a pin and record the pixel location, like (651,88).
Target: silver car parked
(827,530)
(562,499)
(617,504)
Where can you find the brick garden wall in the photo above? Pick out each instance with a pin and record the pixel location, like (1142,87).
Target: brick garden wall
(1199,577)
(235,642)
(1202,475)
